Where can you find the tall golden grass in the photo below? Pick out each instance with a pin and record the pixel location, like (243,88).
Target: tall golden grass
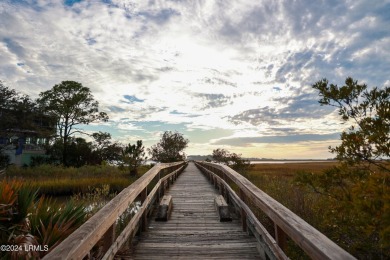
(61,181)
(348,227)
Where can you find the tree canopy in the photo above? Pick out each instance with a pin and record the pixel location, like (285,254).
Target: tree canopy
(133,156)
(105,149)
(359,186)
(19,114)
(170,148)
(367,140)
(71,104)
(18,111)
(230,159)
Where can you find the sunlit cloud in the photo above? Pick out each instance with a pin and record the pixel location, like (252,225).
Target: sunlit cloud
(234,74)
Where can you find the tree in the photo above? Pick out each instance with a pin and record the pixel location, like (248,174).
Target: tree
(358,189)
(81,152)
(133,156)
(367,140)
(170,148)
(232,160)
(71,104)
(18,111)
(221,156)
(9,99)
(19,115)
(105,149)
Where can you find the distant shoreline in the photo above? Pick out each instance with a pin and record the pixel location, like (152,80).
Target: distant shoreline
(288,161)
(262,160)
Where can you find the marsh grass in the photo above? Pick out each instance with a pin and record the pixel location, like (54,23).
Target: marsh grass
(61,181)
(350,225)
(277,180)
(63,199)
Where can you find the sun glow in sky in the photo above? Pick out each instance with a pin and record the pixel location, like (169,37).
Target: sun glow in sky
(226,74)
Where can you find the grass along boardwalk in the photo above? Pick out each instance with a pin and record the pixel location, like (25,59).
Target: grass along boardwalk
(194,230)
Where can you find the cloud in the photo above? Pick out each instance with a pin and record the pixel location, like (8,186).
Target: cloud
(288,139)
(14,47)
(214,100)
(297,107)
(256,116)
(160,17)
(116,109)
(219,81)
(132,99)
(237,65)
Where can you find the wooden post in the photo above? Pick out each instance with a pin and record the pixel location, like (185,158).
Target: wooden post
(243,213)
(144,223)
(158,194)
(225,192)
(159,188)
(280,237)
(108,238)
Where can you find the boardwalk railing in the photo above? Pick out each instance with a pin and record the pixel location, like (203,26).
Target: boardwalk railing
(98,233)
(286,223)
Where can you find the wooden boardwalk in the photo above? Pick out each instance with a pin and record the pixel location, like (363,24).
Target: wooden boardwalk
(194,230)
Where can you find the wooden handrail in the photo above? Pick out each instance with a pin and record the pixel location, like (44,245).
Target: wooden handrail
(78,244)
(270,248)
(131,226)
(314,243)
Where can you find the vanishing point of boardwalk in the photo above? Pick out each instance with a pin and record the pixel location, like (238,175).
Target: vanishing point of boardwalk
(194,230)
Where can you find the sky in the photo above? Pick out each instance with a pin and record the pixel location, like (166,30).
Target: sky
(226,74)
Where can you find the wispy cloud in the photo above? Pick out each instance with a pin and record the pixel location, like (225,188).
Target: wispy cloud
(245,66)
(277,139)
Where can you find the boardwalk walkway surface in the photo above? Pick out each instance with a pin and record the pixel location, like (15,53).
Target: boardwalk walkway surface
(194,230)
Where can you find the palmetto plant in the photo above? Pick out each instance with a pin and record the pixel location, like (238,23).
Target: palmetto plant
(51,224)
(15,201)
(26,220)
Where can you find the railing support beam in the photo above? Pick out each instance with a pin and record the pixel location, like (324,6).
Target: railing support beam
(108,238)
(281,238)
(144,219)
(242,212)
